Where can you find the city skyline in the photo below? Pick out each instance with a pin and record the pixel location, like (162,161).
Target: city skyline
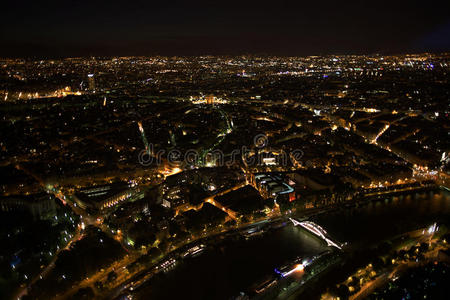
(124,177)
(224,150)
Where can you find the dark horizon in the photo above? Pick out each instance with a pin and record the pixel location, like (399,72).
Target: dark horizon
(80,29)
(262,55)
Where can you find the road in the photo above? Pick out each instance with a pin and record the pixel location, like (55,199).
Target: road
(418,237)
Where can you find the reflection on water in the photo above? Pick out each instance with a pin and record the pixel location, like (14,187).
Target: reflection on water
(382,219)
(223,271)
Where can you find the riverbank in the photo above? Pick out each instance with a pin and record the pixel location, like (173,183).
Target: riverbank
(354,225)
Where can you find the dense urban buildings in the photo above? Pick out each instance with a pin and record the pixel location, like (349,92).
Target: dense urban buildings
(225,177)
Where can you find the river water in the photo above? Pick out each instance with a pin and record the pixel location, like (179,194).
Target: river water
(222,271)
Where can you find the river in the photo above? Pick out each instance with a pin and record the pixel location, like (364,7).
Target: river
(222,271)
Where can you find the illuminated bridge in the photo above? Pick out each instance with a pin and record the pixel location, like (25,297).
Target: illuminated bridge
(316,230)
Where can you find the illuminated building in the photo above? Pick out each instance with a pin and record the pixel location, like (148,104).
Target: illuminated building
(210,99)
(104,196)
(91,82)
(270,185)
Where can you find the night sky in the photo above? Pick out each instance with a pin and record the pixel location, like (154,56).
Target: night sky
(83,28)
